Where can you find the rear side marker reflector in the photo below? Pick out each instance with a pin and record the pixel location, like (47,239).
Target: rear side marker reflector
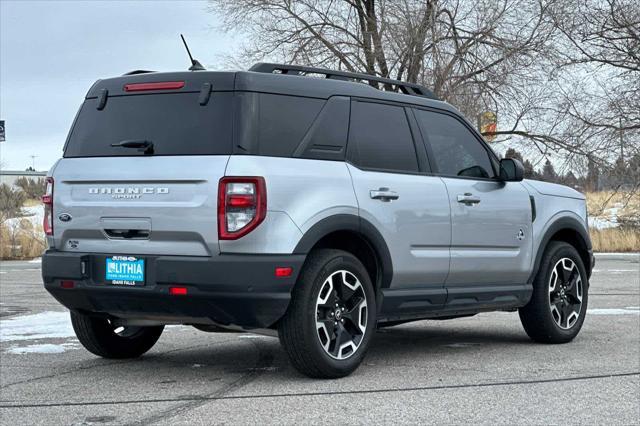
(178,291)
(284,272)
(67,284)
(161,85)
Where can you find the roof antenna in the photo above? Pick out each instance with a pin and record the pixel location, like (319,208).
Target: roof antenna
(195,65)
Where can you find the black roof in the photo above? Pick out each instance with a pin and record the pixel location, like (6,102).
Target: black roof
(294,82)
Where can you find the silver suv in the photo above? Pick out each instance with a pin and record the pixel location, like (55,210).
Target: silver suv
(315,208)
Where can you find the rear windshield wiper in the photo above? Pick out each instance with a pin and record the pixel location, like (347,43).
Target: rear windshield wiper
(141,144)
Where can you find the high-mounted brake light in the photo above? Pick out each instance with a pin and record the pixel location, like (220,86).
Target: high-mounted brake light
(160,85)
(47,200)
(242,205)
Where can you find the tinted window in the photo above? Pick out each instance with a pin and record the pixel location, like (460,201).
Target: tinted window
(176,123)
(284,120)
(379,138)
(456,150)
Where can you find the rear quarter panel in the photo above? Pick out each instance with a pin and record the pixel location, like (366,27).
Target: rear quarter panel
(300,193)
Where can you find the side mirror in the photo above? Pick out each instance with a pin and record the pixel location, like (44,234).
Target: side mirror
(511,170)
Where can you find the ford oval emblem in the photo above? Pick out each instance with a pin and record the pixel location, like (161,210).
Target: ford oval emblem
(64,217)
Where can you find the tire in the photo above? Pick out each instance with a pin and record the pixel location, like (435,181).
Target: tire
(305,331)
(553,315)
(99,337)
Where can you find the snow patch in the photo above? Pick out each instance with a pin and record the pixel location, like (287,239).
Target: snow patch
(630,310)
(45,348)
(34,213)
(603,222)
(44,325)
(461,345)
(607,219)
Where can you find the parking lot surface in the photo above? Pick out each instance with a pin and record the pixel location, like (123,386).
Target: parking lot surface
(481,369)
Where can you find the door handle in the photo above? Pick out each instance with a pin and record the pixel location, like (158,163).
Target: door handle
(383,194)
(468,199)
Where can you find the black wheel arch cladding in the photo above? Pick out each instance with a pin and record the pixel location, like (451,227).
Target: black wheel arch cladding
(562,226)
(356,224)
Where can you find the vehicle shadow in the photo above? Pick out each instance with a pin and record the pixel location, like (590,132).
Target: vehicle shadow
(220,356)
(234,352)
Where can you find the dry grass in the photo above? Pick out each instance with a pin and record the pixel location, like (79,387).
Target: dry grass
(615,208)
(21,240)
(614,240)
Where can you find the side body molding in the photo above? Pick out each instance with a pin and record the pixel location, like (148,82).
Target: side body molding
(347,222)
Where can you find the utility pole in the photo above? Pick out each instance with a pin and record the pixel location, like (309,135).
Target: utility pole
(621,142)
(33,161)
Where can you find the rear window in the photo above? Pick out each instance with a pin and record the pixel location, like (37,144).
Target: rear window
(175,123)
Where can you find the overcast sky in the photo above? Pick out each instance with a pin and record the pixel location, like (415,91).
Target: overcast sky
(52,51)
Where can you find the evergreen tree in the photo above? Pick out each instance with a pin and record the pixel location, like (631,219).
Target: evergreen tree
(548,172)
(593,176)
(634,169)
(570,180)
(512,153)
(619,173)
(529,171)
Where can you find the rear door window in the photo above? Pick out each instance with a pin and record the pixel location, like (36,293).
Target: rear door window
(175,123)
(457,152)
(380,138)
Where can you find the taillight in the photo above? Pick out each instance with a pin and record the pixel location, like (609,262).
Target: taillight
(242,206)
(47,200)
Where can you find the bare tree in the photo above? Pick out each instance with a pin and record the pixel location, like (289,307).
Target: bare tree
(542,65)
(466,51)
(602,39)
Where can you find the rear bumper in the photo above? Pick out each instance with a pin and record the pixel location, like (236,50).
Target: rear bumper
(238,290)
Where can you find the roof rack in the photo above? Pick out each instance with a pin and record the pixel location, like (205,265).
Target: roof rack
(406,88)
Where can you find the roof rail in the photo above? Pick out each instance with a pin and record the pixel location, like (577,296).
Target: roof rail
(406,88)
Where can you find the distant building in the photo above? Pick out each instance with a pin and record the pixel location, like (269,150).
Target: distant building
(10,177)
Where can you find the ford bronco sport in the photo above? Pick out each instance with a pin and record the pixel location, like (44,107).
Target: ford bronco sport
(299,201)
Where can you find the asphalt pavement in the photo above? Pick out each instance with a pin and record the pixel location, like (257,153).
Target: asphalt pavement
(481,369)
